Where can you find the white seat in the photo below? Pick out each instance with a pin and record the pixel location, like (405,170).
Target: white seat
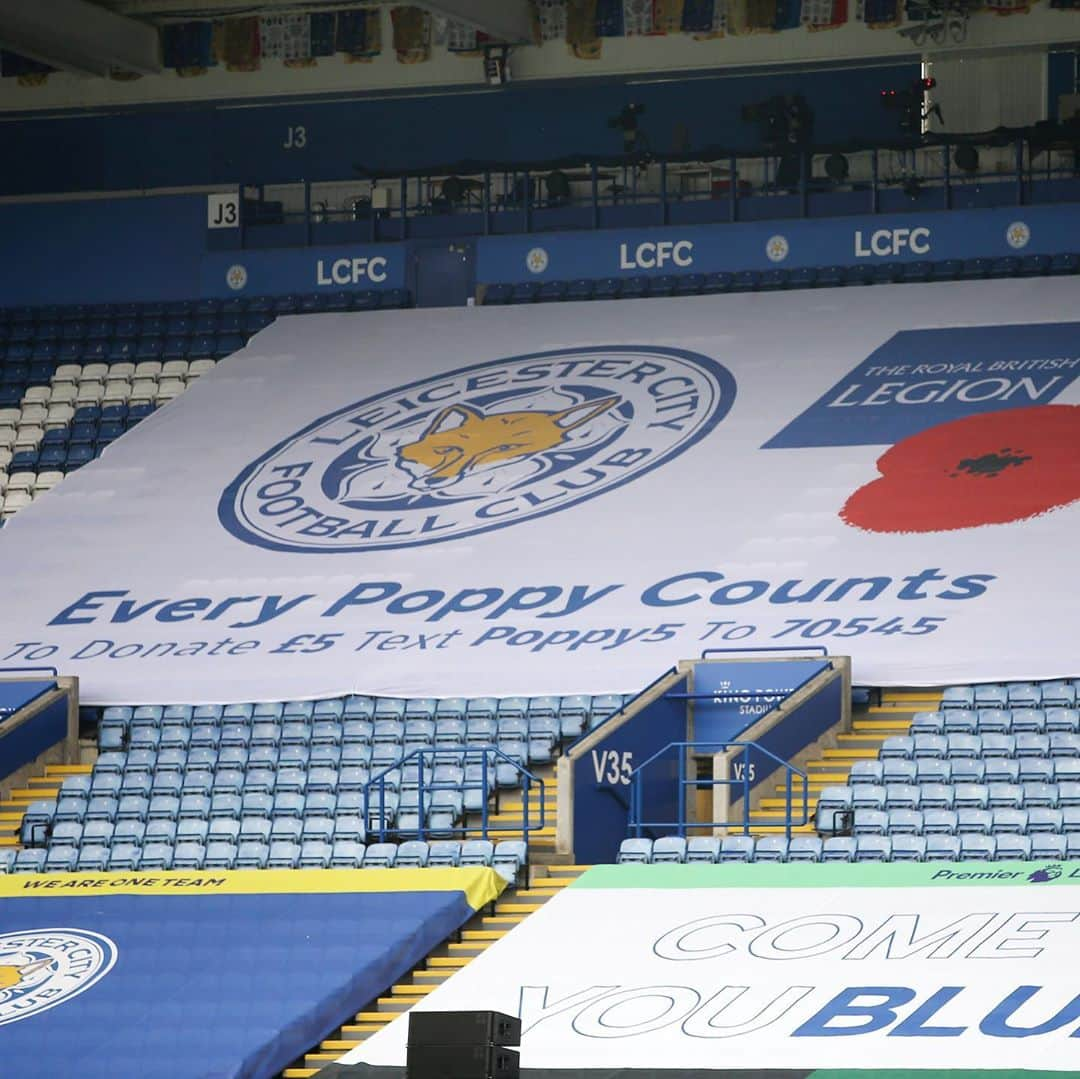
(144,389)
(175,369)
(59,415)
(117,390)
(21,481)
(122,370)
(200,367)
(28,436)
(63,394)
(3,482)
(9,417)
(90,393)
(15,501)
(46,481)
(32,414)
(94,372)
(5,458)
(148,369)
(168,388)
(37,395)
(67,372)
(7,437)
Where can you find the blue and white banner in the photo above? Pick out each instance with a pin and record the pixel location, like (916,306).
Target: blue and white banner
(277,272)
(570,499)
(780,244)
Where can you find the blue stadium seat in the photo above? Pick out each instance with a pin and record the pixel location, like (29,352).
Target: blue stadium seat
(733,848)
(770,848)
(634,851)
(908,848)
(804,848)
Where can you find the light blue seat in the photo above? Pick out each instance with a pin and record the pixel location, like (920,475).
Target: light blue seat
(189,855)
(1048,846)
(1004,770)
(958,697)
(1058,694)
(870,822)
(174,738)
(320,781)
(133,807)
(111,784)
(871,848)
(113,761)
(284,854)
(905,822)
(1064,744)
(205,737)
(61,860)
(1013,848)
(509,859)
(543,707)
(990,746)
(144,738)
(390,709)
(138,760)
(332,709)
(224,830)
(164,807)
(942,848)
(168,784)
(1068,794)
(380,856)
(358,707)
(971,795)
(321,828)
(194,807)
(254,829)
(298,710)
(220,854)
(171,760)
(866,772)
(156,856)
(939,822)
(198,782)
(91,860)
(1033,745)
(1062,720)
(146,715)
(355,755)
(477,852)
(69,808)
(935,796)
(703,848)
(991,695)
(319,804)
(771,848)
(174,715)
(258,805)
(670,848)
(866,796)
(838,848)
(957,721)
(265,735)
(1072,845)
(449,733)
(347,854)
(350,826)
(233,713)
(315,854)
(1042,821)
(207,713)
(327,732)
(97,833)
(968,771)
(1009,821)
(134,832)
(927,745)
(908,848)
(834,807)
(1035,770)
(974,822)
(235,736)
(444,853)
(977,848)
(123,857)
(65,835)
(733,848)
(1028,721)
(896,770)
(29,861)
(352,778)
(993,721)
(412,854)
(1004,795)
(804,848)
(958,746)
(574,715)
(1066,769)
(604,706)
(513,708)
(252,854)
(928,723)
(1024,694)
(451,708)
(269,711)
(901,796)
(192,829)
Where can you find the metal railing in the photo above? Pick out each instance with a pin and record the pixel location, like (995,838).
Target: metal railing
(381,813)
(637,824)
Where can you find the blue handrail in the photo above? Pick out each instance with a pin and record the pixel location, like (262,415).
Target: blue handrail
(636,824)
(488,757)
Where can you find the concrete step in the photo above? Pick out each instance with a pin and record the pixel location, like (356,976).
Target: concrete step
(841,755)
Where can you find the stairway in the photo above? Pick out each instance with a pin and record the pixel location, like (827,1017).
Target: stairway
(509,817)
(869,729)
(38,788)
(486,927)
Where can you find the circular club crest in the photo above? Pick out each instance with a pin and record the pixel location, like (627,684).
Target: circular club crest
(1017,235)
(476,449)
(776,250)
(236,277)
(41,968)
(536,261)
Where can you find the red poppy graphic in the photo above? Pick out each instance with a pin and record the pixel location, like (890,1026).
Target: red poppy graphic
(991,468)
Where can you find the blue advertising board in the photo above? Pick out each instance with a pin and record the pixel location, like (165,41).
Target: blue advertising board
(354,267)
(780,244)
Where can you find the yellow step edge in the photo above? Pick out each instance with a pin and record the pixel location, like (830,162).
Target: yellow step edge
(299,1073)
(336,1046)
(448,962)
(68,769)
(363,1028)
(832,755)
(17,816)
(382,1018)
(412,990)
(454,946)
(329,1058)
(482,934)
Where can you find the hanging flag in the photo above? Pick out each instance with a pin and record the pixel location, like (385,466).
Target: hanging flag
(453,35)
(285,37)
(240,43)
(879,14)
(788,14)
(697,16)
(667,15)
(638,17)
(359,34)
(551,15)
(824,14)
(585,43)
(752,16)
(412,34)
(609,18)
(1008,7)
(188,46)
(323,32)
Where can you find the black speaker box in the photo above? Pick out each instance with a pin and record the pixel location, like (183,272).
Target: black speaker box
(461,1062)
(463,1028)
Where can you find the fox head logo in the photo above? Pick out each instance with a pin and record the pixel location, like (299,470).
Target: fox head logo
(461,440)
(11,976)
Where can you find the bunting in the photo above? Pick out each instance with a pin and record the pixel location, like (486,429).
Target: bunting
(239,43)
(551,15)
(412,34)
(638,17)
(824,14)
(668,15)
(285,37)
(188,47)
(879,14)
(581,36)
(359,34)
(609,18)
(323,33)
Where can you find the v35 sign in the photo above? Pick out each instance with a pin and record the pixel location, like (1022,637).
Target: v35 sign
(613,767)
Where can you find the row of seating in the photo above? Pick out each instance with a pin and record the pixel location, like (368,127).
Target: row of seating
(1012,820)
(863,848)
(290,304)
(507,858)
(1058,743)
(964,770)
(997,721)
(1055,693)
(691,284)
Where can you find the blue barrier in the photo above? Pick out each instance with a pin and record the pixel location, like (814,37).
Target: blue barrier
(638,822)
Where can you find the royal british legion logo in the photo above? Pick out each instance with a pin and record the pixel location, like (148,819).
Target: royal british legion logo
(477,449)
(41,968)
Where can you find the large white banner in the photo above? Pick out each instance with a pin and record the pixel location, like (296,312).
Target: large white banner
(570,498)
(960,966)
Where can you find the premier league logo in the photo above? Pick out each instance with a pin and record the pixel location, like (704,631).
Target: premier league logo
(476,449)
(41,968)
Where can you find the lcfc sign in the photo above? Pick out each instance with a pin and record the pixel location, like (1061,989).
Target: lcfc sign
(475,449)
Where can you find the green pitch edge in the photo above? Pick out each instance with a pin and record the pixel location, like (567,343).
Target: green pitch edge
(925,1073)
(1032,875)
